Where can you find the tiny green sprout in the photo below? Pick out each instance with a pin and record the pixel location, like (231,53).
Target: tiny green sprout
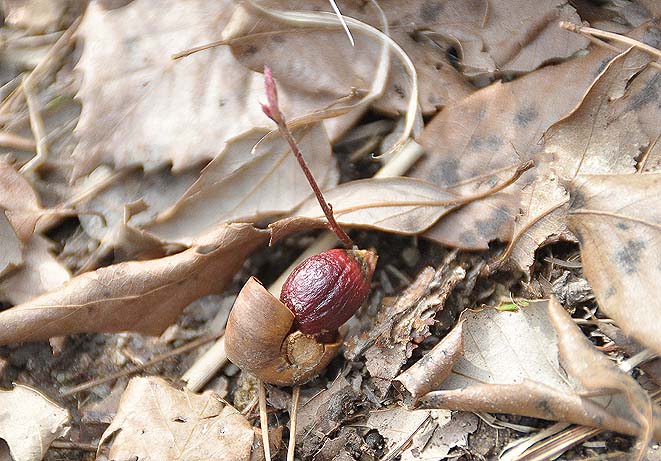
(513,306)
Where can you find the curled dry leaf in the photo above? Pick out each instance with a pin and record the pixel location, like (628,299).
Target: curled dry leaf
(156,422)
(237,186)
(536,362)
(29,422)
(143,296)
(617,221)
(474,142)
(399,204)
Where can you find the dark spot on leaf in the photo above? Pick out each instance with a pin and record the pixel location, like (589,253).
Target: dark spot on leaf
(494,142)
(652,37)
(577,199)
(400,91)
(468,238)
(278,39)
(179,419)
(252,49)
(488,228)
(609,293)
(622,226)
(431,11)
(222,102)
(629,255)
(649,94)
(544,406)
(446,172)
(526,116)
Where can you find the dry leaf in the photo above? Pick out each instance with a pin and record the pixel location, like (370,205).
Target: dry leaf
(29,422)
(472,143)
(596,138)
(158,422)
(397,204)
(143,296)
(542,220)
(409,431)
(11,254)
(37,16)
(129,202)
(20,202)
(487,37)
(147,109)
(617,221)
(238,186)
(41,272)
(531,363)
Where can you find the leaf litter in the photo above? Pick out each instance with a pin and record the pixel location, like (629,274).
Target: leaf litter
(172,155)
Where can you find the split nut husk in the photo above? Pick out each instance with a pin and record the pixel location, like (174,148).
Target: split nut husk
(259,340)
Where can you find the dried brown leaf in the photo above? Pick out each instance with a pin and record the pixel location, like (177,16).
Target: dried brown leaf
(11,254)
(143,296)
(20,201)
(238,186)
(472,143)
(542,219)
(147,109)
(156,422)
(29,422)
(532,363)
(597,138)
(618,224)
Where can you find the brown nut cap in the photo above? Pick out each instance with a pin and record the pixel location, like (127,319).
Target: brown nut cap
(325,290)
(258,340)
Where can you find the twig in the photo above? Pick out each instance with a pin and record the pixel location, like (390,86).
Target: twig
(344,23)
(209,364)
(70,445)
(174,352)
(293,415)
(37,126)
(264,421)
(272,111)
(590,31)
(13,141)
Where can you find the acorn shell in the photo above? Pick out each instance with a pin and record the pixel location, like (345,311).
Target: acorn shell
(258,340)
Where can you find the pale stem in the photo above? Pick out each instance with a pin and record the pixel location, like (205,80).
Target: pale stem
(264,421)
(293,414)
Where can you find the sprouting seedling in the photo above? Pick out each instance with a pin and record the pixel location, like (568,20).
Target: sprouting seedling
(272,111)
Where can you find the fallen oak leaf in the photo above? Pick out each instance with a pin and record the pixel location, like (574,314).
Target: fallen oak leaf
(517,363)
(617,221)
(29,422)
(155,421)
(143,296)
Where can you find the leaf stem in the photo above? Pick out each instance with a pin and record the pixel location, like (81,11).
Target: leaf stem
(272,111)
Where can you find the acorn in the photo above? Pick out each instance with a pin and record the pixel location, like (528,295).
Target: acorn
(289,341)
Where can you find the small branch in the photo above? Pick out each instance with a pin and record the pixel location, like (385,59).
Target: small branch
(293,415)
(272,111)
(264,421)
(590,31)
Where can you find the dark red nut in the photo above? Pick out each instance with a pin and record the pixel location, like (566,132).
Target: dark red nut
(325,290)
